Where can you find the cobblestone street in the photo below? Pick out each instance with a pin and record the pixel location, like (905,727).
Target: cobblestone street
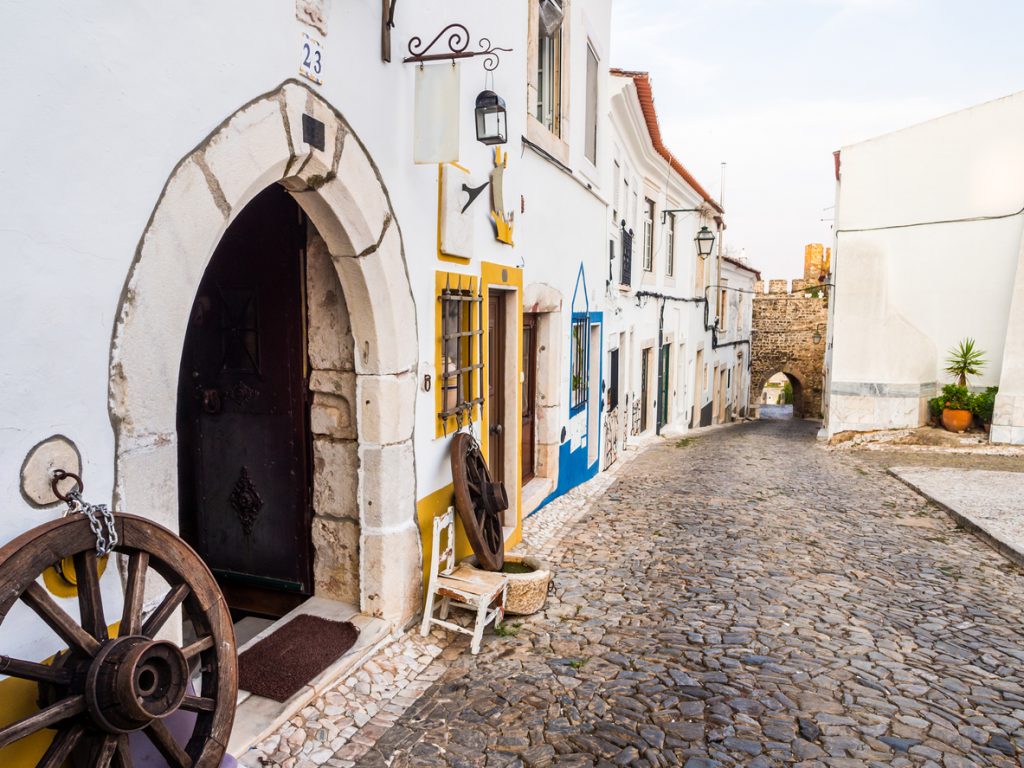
(743,598)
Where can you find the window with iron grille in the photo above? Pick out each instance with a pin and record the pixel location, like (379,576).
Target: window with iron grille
(578,360)
(549,66)
(460,368)
(625,276)
(613,379)
(648,235)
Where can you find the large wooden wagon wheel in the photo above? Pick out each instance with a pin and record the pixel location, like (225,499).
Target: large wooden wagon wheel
(479,502)
(102,689)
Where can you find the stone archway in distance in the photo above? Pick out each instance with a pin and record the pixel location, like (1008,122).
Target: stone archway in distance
(340,189)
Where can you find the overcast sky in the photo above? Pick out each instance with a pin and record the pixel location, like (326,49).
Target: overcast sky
(772,87)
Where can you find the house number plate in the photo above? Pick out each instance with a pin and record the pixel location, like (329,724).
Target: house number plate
(311,59)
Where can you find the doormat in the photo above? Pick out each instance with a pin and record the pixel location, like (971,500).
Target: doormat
(279,665)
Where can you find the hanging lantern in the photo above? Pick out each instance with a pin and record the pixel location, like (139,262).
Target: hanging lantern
(705,241)
(490,118)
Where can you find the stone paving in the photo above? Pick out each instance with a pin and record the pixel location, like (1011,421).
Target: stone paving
(986,501)
(745,598)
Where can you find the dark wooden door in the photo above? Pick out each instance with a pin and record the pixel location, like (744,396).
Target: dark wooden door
(529,394)
(243,412)
(496,385)
(663,382)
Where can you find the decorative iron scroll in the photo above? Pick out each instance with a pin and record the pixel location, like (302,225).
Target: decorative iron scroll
(246,501)
(458,44)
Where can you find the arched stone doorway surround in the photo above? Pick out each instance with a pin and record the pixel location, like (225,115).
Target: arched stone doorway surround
(342,193)
(796,377)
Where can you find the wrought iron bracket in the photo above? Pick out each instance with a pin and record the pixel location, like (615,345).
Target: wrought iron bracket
(665,212)
(458,48)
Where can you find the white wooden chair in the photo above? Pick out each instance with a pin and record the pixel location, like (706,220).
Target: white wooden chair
(461,587)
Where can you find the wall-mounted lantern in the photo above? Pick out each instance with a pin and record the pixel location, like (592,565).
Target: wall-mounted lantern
(705,241)
(490,118)
(817,334)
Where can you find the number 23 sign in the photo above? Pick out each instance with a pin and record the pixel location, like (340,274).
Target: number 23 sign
(311,59)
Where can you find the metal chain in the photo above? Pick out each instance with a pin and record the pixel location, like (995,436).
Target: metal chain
(99,517)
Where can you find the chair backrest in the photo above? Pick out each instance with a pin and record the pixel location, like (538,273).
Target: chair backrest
(445,522)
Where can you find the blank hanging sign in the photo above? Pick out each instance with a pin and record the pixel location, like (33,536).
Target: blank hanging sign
(436,129)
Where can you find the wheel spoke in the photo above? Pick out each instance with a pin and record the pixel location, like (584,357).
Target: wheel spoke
(198,704)
(124,755)
(35,597)
(44,718)
(30,670)
(61,746)
(106,751)
(163,611)
(134,591)
(200,645)
(90,601)
(175,756)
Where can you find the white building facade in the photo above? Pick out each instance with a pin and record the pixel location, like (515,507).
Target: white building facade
(677,324)
(928,251)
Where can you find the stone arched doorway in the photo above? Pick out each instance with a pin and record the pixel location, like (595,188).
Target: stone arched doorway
(761,393)
(291,137)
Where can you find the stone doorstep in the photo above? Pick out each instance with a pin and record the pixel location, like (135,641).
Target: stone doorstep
(1011,552)
(257,717)
(534,492)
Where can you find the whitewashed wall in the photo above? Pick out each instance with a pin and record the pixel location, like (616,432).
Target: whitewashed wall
(905,294)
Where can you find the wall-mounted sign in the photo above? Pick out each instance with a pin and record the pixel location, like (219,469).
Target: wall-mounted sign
(504,220)
(459,193)
(436,128)
(311,58)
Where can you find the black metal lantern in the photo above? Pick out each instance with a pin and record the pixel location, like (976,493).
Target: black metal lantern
(705,240)
(490,118)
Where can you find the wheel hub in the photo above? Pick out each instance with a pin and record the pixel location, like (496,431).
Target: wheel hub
(133,681)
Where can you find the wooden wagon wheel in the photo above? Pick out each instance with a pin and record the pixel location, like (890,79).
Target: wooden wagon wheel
(479,511)
(101,689)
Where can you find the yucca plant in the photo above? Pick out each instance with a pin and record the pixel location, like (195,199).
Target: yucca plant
(965,360)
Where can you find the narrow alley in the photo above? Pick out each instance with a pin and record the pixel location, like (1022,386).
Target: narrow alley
(745,598)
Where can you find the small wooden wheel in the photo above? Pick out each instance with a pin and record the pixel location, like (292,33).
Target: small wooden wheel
(102,689)
(479,502)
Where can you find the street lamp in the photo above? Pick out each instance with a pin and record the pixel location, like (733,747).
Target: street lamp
(490,118)
(705,240)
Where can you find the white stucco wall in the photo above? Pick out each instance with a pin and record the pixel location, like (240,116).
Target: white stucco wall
(905,294)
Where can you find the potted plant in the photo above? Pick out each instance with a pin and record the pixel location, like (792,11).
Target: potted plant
(935,406)
(964,360)
(983,405)
(956,408)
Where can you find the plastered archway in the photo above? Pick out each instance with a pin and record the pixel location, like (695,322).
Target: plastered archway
(341,191)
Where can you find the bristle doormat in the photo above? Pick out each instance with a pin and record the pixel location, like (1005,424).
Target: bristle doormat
(279,665)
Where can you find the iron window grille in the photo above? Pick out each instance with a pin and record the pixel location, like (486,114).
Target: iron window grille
(461,366)
(579,384)
(625,276)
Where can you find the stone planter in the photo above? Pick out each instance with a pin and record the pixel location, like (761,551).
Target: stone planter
(528,580)
(956,420)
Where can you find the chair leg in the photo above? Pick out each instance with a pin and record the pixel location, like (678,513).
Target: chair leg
(478,628)
(428,613)
(445,604)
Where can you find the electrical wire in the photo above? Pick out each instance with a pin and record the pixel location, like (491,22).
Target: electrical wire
(933,223)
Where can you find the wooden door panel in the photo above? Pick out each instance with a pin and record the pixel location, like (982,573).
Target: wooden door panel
(529,395)
(243,407)
(496,385)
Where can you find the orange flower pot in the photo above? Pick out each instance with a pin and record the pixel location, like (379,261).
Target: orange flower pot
(956,420)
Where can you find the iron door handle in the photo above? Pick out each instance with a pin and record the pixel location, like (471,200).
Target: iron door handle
(497,429)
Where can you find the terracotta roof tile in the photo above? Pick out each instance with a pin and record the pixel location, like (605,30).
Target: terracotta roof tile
(642,81)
